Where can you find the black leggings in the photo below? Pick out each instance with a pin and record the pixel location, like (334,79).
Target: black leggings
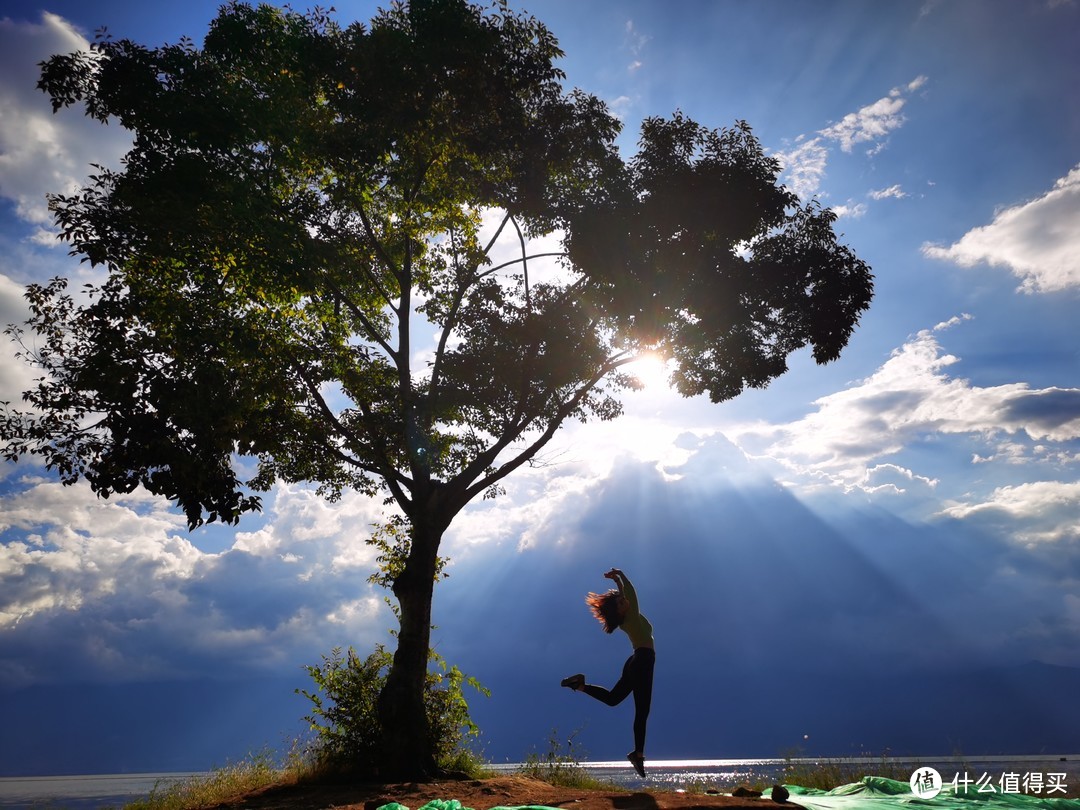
(637,677)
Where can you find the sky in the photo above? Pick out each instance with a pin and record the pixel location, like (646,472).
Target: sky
(865,533)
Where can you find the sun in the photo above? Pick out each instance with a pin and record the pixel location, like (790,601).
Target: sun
(651,370)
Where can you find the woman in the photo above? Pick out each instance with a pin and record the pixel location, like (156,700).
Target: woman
(619,608)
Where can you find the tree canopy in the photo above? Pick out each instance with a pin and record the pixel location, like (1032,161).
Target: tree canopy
(301,199)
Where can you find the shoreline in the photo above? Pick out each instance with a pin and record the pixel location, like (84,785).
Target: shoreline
(505,786)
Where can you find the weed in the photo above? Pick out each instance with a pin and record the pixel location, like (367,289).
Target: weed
(562,767)
(829,773)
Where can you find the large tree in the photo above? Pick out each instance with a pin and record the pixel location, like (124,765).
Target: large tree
(302,201)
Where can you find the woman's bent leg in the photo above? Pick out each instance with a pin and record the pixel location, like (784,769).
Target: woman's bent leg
(617,694)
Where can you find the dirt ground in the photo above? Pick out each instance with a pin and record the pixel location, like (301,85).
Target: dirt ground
(482,794)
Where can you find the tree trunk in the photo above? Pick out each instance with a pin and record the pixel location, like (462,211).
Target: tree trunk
(408,747)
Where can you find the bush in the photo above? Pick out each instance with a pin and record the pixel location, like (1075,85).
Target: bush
(345,716)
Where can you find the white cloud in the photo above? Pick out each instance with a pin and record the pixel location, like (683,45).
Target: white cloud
(804,164)
(874,121)
(917,83)
(909,398)
(125,573)
(1039,241)
(885,193)
(853,211)
(894,479)
(620,106)
(320,536)
(870,124)
(635,41)
(41,152)
(1032,513)
(78,548)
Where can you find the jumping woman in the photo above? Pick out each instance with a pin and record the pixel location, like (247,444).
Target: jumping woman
(619,608)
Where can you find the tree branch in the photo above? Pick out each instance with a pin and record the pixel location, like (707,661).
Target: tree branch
(364,321)
(387,473)
(396,479)
(498,231)
(524,264)
(377,247)
(484,460)
(444,337)
(345,233)
(491,270)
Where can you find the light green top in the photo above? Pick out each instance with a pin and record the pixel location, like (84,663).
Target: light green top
(634,624)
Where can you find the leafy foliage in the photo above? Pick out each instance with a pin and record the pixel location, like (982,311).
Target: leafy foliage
(346,720)
(298,195)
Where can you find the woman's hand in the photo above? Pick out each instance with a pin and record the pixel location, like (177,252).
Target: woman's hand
(614,574)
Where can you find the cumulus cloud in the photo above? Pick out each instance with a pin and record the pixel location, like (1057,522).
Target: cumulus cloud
(123,591)
(805,163)
(1034,512)
(40,152)
(1037,240)
(77,549)
(912,396)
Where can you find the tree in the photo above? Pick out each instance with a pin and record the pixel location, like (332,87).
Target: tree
(300,198)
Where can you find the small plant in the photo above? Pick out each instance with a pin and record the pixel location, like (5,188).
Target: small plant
(562,767)
(345,716)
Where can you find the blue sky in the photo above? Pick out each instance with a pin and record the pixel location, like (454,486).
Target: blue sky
(911,508)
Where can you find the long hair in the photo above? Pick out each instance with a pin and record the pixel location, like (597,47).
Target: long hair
(605,607)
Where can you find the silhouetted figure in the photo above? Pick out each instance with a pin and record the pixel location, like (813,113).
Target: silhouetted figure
(619,609)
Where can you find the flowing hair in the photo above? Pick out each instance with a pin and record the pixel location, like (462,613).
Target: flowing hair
(605,607)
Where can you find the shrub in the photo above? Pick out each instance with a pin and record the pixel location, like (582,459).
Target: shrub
(345,716)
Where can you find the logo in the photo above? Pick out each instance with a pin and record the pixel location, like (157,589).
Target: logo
(925,783)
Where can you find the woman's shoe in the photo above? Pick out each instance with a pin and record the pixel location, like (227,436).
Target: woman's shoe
(574,682)
(638,761)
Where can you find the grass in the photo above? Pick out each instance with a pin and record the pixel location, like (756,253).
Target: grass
(222,784)
(562,766)
(262,771)
(826,774)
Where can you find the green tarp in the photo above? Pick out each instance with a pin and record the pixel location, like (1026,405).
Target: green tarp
(878,793)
